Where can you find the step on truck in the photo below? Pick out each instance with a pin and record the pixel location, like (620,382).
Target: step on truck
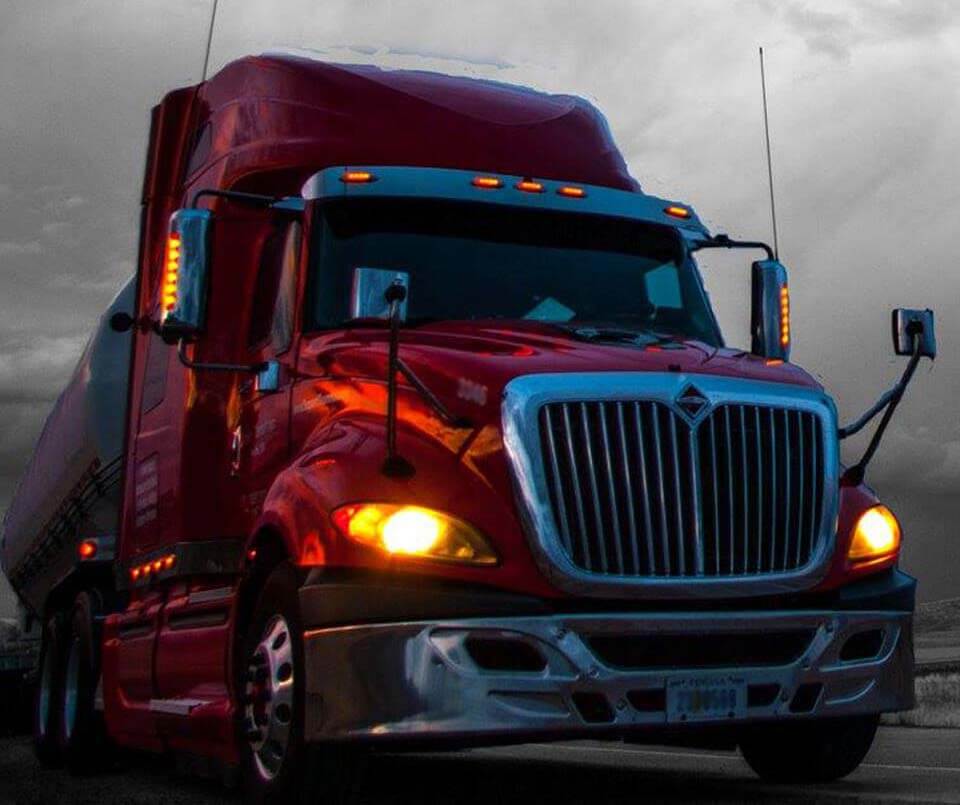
(416,429)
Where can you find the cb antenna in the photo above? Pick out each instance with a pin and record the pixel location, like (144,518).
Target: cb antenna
(766,131)
(206,58)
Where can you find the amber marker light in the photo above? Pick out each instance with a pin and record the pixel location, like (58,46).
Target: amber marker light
(571,191)
(530,186)
(87,549)
(677,212)
(876,536)
(171,272)
(785,316)
(487,182)
(413,531)
(357,177)
(169,561)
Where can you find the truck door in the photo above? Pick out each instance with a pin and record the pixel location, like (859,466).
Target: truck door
(195,621)
(261,441)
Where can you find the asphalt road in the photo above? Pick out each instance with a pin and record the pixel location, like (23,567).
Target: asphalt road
(906,765)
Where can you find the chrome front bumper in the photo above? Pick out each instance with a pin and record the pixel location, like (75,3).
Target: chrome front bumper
(419,680)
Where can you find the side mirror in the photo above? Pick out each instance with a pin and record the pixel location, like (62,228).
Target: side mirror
(770,311)
(268,378)
(368,298)
(186,275)
(908,324)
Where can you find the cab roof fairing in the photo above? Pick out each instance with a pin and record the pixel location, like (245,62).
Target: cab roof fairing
(272,120)
(457,185)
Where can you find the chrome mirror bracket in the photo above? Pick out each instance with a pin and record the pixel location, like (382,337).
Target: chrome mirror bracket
(268,378)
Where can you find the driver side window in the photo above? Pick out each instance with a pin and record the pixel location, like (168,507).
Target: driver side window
(281,333)
(271,316)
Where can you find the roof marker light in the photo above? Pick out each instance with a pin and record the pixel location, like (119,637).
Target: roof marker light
(357,177)
(487,182)
(677,212)
(571,191)
(169,561)
(530,186)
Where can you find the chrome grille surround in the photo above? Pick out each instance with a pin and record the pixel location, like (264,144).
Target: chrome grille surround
(524,399)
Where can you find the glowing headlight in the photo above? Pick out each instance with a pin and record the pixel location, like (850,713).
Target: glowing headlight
(877,535)
(414,531)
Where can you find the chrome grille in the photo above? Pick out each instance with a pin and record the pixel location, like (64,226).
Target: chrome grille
(636,490)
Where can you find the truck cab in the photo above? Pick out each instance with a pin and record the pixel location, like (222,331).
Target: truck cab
(433,439)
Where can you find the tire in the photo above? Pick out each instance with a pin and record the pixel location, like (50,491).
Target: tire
(83,740)
(277,765)
(809,752)
(49,693)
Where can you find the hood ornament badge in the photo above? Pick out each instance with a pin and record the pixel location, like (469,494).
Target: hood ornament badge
(692,402)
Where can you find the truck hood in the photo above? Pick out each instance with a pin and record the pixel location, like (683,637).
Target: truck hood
(468,364)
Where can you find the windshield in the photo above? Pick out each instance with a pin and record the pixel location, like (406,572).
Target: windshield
(481,261)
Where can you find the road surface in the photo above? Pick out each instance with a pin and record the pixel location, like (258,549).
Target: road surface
(906,765)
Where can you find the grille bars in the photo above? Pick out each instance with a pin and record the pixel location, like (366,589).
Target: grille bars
(637,491)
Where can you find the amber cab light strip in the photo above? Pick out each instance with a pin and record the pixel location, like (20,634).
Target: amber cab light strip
(357,177)
(487,182)
(530,186)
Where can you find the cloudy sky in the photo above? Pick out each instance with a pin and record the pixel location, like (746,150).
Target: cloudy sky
(864,109)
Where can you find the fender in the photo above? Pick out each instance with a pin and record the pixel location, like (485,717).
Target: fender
(346,454)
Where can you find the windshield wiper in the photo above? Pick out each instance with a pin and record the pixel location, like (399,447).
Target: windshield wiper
(375,322)
(623,335)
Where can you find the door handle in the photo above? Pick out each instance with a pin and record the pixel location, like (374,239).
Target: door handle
(236,450)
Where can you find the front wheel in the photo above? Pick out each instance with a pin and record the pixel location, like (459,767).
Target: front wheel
(278,765)
(811,751)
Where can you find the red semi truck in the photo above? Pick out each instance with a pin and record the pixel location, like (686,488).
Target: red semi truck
(416,428)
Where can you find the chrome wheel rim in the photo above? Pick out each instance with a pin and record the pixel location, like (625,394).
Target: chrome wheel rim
(268,698)
(71,689)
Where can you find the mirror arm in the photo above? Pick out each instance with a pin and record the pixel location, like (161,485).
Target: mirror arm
(891,400)
(216,367)
(855,427)
(285,204)
(722,241)
(256,199)
(395,465)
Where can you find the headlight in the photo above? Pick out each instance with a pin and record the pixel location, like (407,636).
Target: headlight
(877,535)
(414,531)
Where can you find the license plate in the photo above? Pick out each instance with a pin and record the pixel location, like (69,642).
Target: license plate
(706,698)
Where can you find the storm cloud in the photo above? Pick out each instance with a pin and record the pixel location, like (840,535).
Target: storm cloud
(864,111)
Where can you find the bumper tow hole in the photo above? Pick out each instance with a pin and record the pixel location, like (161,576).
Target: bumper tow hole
(805,699)
(593,707)
(504,654)
(862,646)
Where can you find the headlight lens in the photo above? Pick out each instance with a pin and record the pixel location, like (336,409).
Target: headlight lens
(414,531)
(877,535)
